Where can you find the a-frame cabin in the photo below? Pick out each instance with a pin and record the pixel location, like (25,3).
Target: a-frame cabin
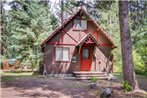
(78,45)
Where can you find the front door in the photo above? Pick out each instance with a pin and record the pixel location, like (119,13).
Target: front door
(86,58)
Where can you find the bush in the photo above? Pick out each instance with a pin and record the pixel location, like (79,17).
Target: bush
(138,63)
(126,86)
(94,79)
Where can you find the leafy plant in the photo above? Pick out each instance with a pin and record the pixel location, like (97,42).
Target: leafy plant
(94,79)
(140,67)
(126,86)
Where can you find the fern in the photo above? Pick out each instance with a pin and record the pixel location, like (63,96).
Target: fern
(126,86)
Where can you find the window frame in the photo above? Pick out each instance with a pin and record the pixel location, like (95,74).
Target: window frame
(62,54)
(74,29)
(84,52)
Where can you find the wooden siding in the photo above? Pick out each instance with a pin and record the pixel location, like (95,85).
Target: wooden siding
(68,37)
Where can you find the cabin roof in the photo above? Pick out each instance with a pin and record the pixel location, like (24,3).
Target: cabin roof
(69,19)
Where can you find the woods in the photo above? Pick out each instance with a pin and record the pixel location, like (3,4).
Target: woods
(28,23)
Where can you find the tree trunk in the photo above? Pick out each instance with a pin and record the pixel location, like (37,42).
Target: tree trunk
(3,29)
(1,25)
(126,46)
(32,66)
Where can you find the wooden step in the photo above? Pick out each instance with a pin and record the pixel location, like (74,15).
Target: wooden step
(90,74)
(89,78)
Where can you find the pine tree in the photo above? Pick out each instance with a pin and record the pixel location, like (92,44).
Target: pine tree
(126,46)
(3,32)
(138,18)
(29,24)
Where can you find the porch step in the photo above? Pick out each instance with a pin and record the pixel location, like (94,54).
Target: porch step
(88,78)
(89,75)
(88,72)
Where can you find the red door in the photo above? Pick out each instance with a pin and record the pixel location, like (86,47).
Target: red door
(86,58)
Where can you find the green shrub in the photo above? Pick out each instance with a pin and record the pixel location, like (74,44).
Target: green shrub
(126,86)
(118,68)
(94,79)
(138,63)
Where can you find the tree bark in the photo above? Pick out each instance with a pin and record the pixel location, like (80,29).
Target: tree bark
(126,46)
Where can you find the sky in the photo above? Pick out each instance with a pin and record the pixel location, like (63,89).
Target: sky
(7,7)
(53,4)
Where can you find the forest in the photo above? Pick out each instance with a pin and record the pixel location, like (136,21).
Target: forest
(27,23)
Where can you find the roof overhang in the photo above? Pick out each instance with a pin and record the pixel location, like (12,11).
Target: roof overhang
(88,40)
(69,19)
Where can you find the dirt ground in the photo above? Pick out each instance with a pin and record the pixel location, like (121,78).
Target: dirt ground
(50,87)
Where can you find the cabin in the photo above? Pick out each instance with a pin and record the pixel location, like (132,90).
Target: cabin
(79,45)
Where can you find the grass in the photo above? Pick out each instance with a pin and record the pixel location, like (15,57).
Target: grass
(137,74)
(119,76)
(14,75)
(8,78)
(17,73)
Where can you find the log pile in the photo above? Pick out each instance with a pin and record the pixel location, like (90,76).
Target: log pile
(7,66)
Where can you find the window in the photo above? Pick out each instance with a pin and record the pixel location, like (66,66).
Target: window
(80,24)
(85,54)
(62,54)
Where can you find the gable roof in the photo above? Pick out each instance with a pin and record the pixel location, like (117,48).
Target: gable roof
(69,19)
(85,38)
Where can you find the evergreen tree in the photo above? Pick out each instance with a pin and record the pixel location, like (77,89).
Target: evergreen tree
(126,46)
(138,24)
(29,24)
(3,32)
(30,21)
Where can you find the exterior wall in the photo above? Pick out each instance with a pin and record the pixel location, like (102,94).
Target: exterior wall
(53,66)
(57,38)
(68,37)
(101,59)
(98,62)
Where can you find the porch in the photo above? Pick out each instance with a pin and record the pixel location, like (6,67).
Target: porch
(90,74)
(90,64)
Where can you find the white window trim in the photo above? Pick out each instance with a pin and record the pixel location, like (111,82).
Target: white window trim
(62,54)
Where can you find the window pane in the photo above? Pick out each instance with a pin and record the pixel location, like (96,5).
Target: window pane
(59,54)
(83,24)
(65,54)
(77,25)
(85,53)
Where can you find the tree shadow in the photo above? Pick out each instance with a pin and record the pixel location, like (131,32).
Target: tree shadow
(50,87)
(46,87)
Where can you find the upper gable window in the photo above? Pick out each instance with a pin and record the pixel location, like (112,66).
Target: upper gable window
(80,24)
